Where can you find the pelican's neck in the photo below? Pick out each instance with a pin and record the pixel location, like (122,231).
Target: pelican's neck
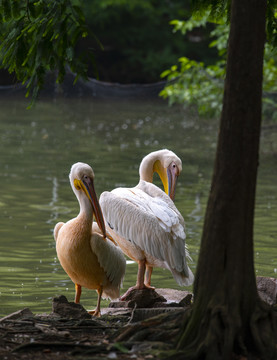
(86,212)
(146,169)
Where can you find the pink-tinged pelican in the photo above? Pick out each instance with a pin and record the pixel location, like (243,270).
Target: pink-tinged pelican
(87,256)
(146,224)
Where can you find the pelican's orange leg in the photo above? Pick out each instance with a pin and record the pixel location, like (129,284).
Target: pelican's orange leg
(78,291)
(140,280)
(97,312)
(148,274)
(140,277)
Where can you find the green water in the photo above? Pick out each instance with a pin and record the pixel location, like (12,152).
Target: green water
(39,146)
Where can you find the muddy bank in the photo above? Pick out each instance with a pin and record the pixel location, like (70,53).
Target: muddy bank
(124,331)
(141,327)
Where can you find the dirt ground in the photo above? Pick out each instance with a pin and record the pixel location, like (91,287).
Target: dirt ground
(145,326)
(125,331)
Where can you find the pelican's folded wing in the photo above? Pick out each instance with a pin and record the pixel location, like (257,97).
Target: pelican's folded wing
(146,222)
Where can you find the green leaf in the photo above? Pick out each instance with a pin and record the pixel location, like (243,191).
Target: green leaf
(69,53)
(165,73)
(78,13)
(119,346)
(196,84)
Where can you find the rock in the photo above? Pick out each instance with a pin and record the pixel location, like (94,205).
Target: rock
(18,315)
(144,314)
(173,297)
(144,298)
(186,301)
(70,310)
(121,304)
(267,289)
(143,304)
(158,298)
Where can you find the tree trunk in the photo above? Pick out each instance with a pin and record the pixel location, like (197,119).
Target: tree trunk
(228,317)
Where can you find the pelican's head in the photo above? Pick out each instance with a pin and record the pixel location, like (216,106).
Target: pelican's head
(168,166)
(81,178)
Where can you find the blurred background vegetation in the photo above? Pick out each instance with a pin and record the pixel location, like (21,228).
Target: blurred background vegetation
(127,42)
(138,41)
(133,41)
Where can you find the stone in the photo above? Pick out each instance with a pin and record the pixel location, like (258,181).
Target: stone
(267,289)
(120,304)
(154,298)
(186,301)
(144,314)
(70,310)
(145,298)
(175,296)
(18,315)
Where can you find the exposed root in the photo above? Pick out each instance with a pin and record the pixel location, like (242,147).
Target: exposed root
(218,334)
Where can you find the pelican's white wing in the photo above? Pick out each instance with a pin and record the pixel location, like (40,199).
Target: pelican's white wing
(147,217)
(111,259)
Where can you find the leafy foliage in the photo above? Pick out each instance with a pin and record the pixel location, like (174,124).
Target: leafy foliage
(41,35)
(194,83)
(137,39)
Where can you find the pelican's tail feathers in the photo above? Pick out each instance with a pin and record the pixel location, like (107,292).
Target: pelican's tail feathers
(183,278)
(111,292)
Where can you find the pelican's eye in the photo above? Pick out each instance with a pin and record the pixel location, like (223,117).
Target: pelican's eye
(173,167)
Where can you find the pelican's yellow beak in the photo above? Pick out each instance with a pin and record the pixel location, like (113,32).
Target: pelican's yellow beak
(168,176)
(86,184)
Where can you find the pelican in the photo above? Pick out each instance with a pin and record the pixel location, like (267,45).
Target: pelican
(146,224)
(87,256)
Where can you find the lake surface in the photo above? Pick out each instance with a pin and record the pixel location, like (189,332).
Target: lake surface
(37,149)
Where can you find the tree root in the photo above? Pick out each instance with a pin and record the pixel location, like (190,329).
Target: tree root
(221,335)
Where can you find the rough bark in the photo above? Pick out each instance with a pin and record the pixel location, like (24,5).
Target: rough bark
(227,317)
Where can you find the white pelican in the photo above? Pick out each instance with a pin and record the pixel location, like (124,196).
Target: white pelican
(86,255)
(146,224)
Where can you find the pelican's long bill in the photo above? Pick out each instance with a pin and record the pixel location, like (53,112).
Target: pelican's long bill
(168,176)
(87,185)
(172,177)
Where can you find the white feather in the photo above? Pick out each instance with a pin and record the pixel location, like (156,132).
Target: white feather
(112,260)
(145,222)
(151,223)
